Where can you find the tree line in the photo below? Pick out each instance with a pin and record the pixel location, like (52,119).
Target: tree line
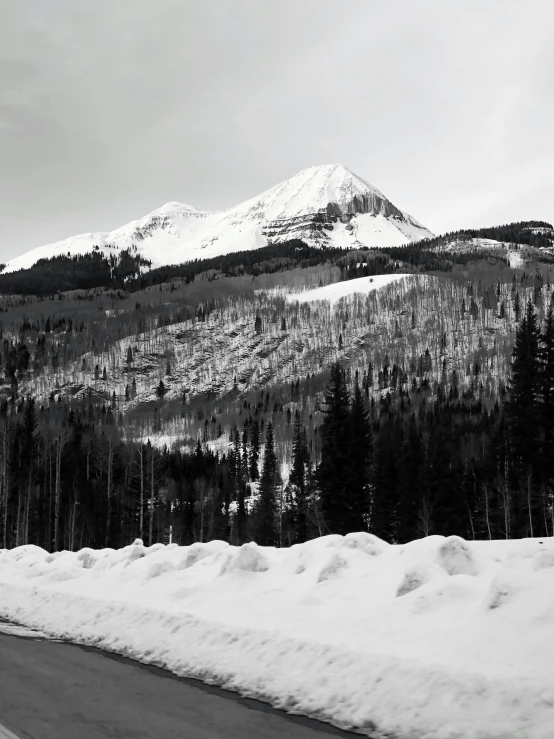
(69,478)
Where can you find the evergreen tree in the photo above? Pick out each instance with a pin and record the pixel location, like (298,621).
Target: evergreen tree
(244,450)
(297,480)
(336,447)
(360,460)
(524,420)
(525,387)
(409,469)
(384,499)
(547,385)
(254,451)
(264,529)
(547,413)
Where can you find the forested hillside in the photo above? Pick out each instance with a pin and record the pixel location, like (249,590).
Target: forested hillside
(225,407)
(126,269)
(538,234)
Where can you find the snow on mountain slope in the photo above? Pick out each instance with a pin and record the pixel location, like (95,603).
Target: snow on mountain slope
(159,237)
(325,205)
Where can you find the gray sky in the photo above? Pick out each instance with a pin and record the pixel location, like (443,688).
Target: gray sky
(108,108)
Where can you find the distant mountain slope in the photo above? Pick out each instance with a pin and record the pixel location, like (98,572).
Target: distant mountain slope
(516,243)
(536,234)
(324,205)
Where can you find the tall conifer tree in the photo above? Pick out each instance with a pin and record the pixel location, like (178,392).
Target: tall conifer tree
(336,448)
(297,480)
(524,421)
(265,530)
(360,460)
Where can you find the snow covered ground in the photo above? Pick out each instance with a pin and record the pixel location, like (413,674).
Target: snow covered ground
(439,638)
(338,290)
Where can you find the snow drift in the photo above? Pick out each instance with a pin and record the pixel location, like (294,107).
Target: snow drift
(325,205)
(438,638)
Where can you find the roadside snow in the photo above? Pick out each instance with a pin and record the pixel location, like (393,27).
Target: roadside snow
(439,638)
(338,290)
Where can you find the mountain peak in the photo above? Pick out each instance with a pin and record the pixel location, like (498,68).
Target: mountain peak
(323,187)
(324,205)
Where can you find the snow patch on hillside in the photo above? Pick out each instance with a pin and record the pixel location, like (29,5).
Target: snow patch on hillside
(338,290)
(439,638)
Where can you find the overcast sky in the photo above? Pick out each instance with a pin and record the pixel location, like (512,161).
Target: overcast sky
(108,109)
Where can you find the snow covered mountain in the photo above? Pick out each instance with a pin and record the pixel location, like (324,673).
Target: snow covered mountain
(325,205)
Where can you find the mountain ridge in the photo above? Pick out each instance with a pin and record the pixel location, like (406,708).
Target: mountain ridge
(323,205)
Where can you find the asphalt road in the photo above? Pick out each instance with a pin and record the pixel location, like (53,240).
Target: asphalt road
(55,690)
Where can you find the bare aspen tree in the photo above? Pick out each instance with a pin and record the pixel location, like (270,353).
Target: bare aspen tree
(109,489)
(61,440)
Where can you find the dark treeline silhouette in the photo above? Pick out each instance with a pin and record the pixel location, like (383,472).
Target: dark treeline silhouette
(98,270)
(265,260)
(400,467)
(65,272)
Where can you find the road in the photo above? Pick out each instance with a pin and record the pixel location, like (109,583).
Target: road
(55,690)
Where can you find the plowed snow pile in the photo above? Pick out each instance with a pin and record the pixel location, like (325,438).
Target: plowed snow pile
(439,638)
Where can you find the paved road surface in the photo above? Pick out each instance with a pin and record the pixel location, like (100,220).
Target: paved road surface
(54,690)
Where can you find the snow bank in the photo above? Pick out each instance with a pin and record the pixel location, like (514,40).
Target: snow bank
(439,638)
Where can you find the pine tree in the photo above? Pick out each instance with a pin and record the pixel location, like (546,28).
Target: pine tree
(409,467)
(384,499)
(524,417)
(244,450)
(517,305)
(264,527)
(547,384)
(360,460)
(297,479)
(254,451)
(525,386)
(336,447)
(547,392)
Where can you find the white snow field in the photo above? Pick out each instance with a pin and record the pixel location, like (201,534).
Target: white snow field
(439,638)
(337,290)
(178,233)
